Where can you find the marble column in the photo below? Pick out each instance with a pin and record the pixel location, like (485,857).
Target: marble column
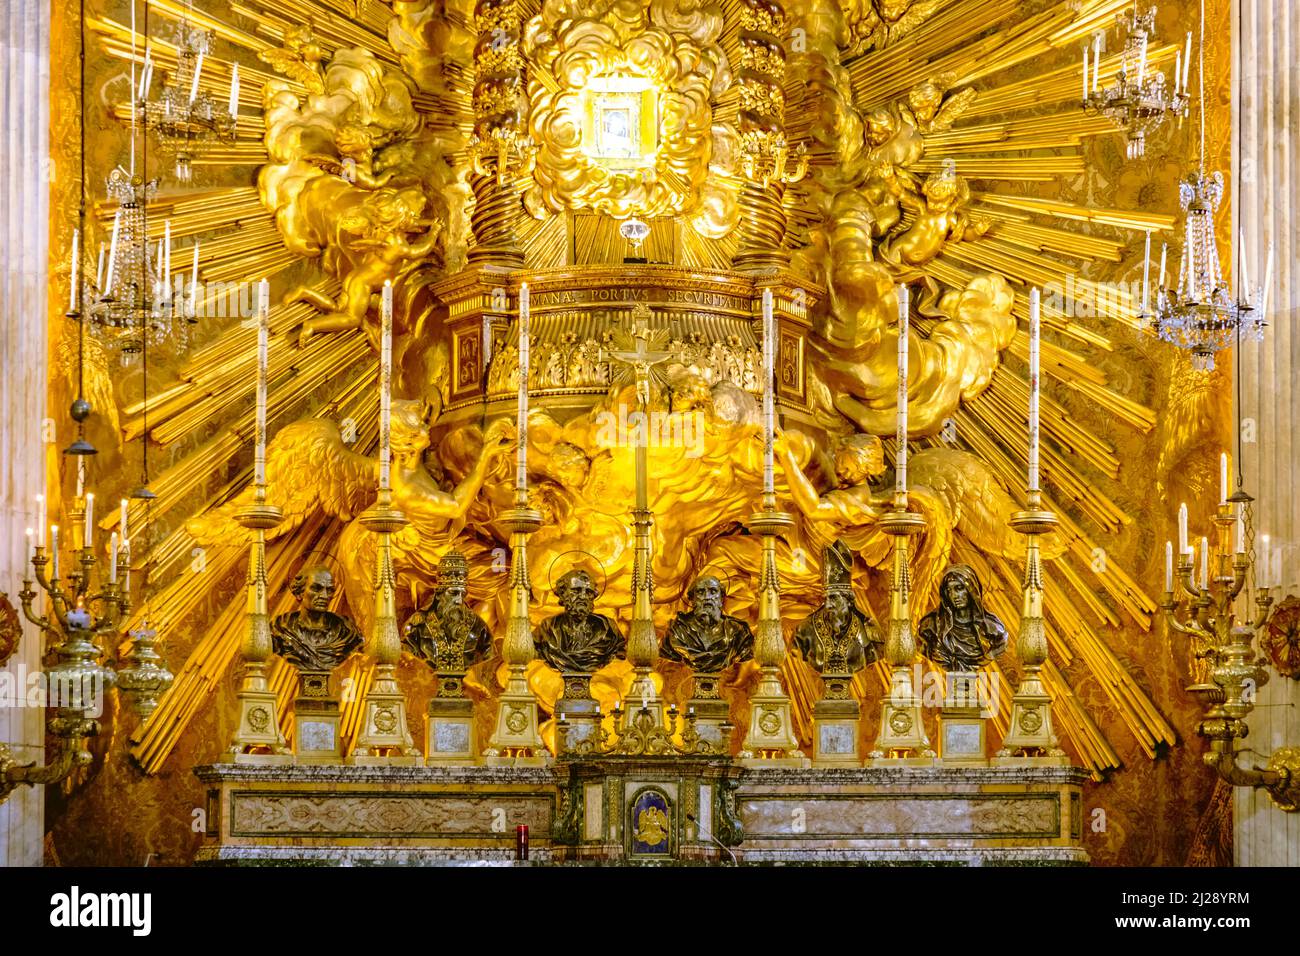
(1266,161)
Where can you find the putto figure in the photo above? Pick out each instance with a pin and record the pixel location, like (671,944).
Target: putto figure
(313,638)
(577,640)
(959,635)
(704,638)
(445,632)
(838,638)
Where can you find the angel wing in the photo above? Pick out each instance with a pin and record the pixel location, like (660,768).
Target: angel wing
(980,507)
(952,108)
(291,63)
(308,468)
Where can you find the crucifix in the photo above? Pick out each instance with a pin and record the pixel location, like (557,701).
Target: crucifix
(640,348)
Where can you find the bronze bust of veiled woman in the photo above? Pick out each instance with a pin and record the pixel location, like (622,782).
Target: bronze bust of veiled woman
(959,635)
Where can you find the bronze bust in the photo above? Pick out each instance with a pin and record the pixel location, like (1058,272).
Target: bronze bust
(837,638)
(445,632)
(959,635)
(577,639)
(314,639)
(704,638)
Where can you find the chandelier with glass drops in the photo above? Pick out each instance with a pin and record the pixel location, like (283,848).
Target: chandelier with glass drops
(1140,98)
(186,120)
(1202,314)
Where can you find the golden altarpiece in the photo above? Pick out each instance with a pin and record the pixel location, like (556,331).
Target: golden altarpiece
(630,444)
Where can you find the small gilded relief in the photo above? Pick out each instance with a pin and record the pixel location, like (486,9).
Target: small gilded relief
(650,825)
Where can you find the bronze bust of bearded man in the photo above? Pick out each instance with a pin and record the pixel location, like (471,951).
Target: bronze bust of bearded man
(838,639)
(959,635)
(313,638)
(445,632)
(704,638)
(577,640)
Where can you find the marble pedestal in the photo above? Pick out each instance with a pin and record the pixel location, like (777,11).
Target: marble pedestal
(449,734)
(835,733)
(316,730)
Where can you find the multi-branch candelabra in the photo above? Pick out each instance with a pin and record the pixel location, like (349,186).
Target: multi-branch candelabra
(186,120)
(82,616)
(1140,98)
(1227,672)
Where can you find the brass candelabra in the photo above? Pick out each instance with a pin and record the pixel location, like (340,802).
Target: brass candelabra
(1226,670)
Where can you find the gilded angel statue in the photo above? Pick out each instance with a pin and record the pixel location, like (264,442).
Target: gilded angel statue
(930,109)
(299,59)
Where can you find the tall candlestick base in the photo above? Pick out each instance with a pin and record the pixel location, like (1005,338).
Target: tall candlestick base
(384,737)
(642,639)
(902,739)
(516,741)
(258,738)
(771,741)
(1030,735)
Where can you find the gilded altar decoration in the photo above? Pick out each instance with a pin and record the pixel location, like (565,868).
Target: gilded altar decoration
(704,638)
(960,635)
(620,100)
(1281,637)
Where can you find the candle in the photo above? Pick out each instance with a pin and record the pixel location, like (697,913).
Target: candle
(194,283)
(521,464)
(1034,345)
(81,475)
(1182,529)
(145,73)
(126,564)
(1187,59)
(234,91)
(31,547)
(1223,478)
(1205,563)
(40,521)
(769,384)
(1169,566)
(112,250)
(385,381)
(167,258)
(259,428)
(99,270)
(1085,72)
(1146,276)
(900,470)
(1178,70)
(112,558)
(121,521)
(90,517)
(1261,575)
(72,284)
(54,552)
(198,71)
(1241,530)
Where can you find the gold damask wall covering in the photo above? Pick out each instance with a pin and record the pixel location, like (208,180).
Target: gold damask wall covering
(939,144)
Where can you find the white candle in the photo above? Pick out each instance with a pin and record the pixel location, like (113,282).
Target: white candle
(72,284)
(167,258)
(1169,566)
(1187,58)
(126,565)
(1178,70)
(1085,72)
(1241,530)
(1261,572)
(90,517)
(99,270)
(145,73)
(194,283)
(521,462)
(40,521)
(121,521)
(1035,323)
(31,548)
(234,91)
(385,381)
(1223,478)
(1205,563)
(198,71)
(1164,251)
(1182,529)
(112,558)
(259,429)
(1146,276)
(81,475)
(900,470)
(54,552)
(769,384)
(112,250)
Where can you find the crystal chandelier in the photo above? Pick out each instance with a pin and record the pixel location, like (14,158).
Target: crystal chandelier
(186,119)
(1140,98)
(1202,313)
